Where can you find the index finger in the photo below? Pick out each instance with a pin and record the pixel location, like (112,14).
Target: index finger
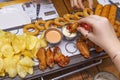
(90,20)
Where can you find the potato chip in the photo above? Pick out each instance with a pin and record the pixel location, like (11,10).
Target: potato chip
(0,54)
(7,50)
(1,64)
(21,71)
(10,65)
(12,71)
(19,43)
(43,43)
(31,42)
(26,61)
(2,73)
(27,53)
(30,70)
(36,48)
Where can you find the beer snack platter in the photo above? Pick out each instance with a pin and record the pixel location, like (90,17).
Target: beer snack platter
(68,48)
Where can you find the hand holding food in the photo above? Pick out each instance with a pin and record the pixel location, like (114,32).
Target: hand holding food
(102,31)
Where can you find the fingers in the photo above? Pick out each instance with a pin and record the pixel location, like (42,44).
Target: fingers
(72,3)
(91,20)
(90,2)
(80,4)
(85,33)
(75,3)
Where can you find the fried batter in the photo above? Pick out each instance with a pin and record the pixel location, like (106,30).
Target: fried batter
(60,58)
(112,14)
(42,58)
(98,9)
(72,27)
(49,58)
(98,49)
(105,11)
(83,48)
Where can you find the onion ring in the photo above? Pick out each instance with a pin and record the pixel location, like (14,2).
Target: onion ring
(30,26)
(49,24)
(87,12)
(78,15)
(60,21)
(40,24)
(69,17)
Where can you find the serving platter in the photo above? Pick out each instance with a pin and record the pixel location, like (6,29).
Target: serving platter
(75,57)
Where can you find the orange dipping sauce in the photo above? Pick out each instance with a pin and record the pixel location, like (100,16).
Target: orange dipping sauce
(53,35)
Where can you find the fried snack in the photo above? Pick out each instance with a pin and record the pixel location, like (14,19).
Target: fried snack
(40,24)
(115,27)
(30,26)
(98,9)
(49,58)
(98,49)
(83,48)
(72,27)
(87,12)
(49,24)
(69,17)
(16,43)
(118,31)
(78,15)
(105,11)
(117,23)
(112,14)
(42,58)
(60,21)
(90,44)
(60,58)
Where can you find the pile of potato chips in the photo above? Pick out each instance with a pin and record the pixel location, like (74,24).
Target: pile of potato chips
(17,53)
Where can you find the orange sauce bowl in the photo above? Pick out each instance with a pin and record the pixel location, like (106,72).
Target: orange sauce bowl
(53,36)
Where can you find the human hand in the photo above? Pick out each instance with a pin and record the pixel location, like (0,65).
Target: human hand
(102,33)
(78,4)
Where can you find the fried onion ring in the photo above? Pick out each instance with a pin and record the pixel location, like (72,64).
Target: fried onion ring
(40,24)
(60,21)
(78,15)
(30,26)
(49,24)
(87,12)
(69,17)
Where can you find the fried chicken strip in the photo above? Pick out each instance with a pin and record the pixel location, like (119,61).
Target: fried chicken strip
(49,58)
(98,9)
(42,58)
(72,27)
(60,58)
(83,48)
(105,11)
(112,14)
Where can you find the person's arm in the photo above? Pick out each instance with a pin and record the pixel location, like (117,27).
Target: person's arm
(103,35)
(78,4)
